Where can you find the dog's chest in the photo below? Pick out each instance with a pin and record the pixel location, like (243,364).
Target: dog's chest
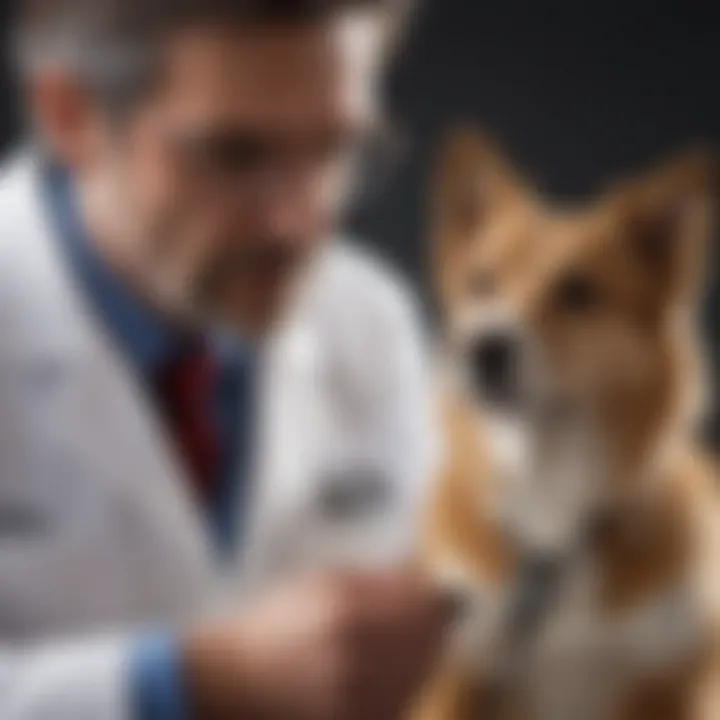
(583,662)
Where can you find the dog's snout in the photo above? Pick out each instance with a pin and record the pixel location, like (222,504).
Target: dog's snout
(494,355)
(494,359)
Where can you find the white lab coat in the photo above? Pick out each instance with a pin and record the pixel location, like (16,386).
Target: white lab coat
(98,534)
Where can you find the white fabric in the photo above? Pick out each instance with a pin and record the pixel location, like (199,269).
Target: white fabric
(97,530)
(84,680)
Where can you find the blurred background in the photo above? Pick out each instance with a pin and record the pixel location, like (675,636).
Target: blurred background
(579,93)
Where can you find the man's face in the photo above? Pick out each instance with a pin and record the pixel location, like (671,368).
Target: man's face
(225,181)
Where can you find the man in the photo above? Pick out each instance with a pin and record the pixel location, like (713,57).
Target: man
(212,425)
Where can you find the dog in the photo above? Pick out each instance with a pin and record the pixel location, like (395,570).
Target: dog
(574,512)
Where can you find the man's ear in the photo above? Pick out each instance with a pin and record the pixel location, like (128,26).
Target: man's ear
(472,181)
(669,219)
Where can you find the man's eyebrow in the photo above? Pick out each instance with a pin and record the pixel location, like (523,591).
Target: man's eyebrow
(258,140)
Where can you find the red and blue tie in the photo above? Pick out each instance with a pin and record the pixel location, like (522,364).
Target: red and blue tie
(185,388)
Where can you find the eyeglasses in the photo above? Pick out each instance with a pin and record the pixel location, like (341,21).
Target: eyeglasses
(245,166)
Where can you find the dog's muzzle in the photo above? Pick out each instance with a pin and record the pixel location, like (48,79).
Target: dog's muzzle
(494,361)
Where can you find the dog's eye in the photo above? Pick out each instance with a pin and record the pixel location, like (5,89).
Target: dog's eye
(480,284)
(577,294)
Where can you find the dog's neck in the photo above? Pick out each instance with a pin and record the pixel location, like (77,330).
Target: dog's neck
(546,479)
(550,482)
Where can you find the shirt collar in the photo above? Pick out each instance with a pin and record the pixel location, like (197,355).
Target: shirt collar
(149,339)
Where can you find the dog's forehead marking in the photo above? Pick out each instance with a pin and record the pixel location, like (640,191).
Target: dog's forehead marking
(510,240)
(527,248)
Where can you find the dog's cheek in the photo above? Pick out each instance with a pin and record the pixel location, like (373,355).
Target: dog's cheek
(571,357)
(602,357)
(621,368)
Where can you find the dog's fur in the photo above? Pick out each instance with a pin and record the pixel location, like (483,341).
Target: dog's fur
(588,454)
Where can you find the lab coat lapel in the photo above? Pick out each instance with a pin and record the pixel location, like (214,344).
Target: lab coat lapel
(104,425)
(292,418)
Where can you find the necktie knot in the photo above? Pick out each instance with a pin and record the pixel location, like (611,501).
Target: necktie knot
(188,381)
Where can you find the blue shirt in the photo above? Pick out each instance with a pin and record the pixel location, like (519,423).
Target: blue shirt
(149,343)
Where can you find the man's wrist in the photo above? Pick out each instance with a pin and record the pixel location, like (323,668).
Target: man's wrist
(206,657)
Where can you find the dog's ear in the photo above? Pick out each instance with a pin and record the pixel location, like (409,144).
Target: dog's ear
(669,218)
(472,181)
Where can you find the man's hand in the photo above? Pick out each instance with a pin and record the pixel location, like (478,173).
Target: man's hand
(338,647)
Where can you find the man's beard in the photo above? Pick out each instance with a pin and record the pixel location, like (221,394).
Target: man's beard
(267,262)
(246,289)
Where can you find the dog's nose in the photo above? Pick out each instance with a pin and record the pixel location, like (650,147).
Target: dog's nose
(494,365)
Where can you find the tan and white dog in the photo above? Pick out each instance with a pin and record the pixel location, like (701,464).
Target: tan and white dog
(574,509)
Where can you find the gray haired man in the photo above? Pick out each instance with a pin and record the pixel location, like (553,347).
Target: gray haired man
(191,366)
